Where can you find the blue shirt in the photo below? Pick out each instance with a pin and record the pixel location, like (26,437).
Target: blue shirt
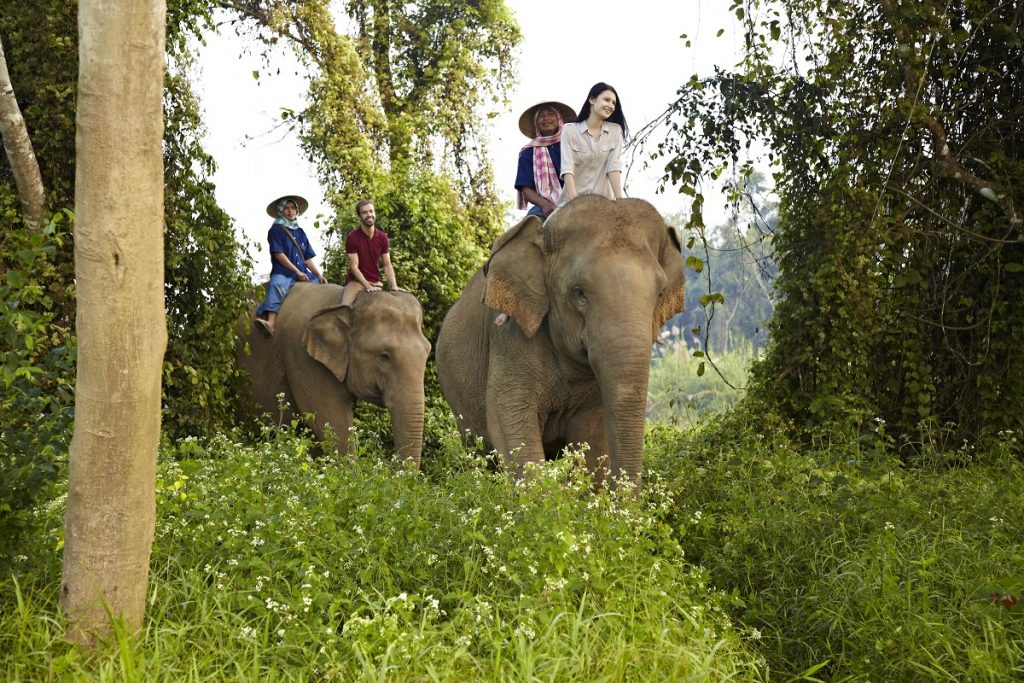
(524,176)
(280,243)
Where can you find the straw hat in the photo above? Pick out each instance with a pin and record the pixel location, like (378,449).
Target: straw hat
(526,120)
(300,203)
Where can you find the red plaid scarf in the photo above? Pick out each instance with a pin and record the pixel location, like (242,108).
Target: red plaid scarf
(544,175)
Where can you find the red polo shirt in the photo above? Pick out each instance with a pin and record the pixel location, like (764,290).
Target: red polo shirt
(369,250)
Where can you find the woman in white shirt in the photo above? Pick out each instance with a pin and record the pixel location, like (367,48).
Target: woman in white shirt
(591,148)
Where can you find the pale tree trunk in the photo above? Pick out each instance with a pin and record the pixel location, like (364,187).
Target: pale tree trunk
(18,146)
(122,334)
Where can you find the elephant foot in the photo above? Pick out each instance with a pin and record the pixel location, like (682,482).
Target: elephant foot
(266,327)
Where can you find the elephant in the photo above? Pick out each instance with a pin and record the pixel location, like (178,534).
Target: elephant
(587,291)
(324,357)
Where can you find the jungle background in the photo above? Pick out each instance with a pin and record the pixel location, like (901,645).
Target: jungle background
(833,467)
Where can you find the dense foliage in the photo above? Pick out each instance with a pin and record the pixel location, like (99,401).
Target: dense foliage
(207,275)
(287,568)
(841,559)
(745,557)
(205,268)
(397,99)
(36,269)
(36,396)
(895,129)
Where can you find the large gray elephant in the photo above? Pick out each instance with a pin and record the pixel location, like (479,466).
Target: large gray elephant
(587,292)
(324,357)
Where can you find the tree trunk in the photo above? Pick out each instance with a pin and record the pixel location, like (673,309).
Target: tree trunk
(18,146)
(120,322)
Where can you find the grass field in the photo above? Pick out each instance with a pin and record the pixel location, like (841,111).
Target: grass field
(744,558)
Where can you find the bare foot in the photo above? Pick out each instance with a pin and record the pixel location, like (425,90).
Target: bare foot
(501,319)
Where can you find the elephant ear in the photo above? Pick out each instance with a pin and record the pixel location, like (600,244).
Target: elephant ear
(515,275)
(672,299)
(327,336)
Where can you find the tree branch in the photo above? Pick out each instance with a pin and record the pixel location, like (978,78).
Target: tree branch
(18,146)
(947,161)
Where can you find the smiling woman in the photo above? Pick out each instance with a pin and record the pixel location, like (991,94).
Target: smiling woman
(592,147)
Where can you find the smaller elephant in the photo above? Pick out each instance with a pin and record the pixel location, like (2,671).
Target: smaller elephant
(325,356)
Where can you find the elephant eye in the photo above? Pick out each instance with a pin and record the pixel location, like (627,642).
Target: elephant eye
(577,292)
(385,356)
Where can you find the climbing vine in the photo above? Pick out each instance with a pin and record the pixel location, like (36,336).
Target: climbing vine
(894,133)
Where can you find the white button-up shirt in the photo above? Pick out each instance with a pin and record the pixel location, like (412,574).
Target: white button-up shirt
(590,159)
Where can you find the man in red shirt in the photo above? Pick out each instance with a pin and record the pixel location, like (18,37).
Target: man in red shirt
(367,248)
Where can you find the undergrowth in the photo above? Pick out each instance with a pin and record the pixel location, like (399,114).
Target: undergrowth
(843,558)
(271,565)
(745,557)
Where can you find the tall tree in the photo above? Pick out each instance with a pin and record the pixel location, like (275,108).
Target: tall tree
(207,271)
(398,93)
(122,331)
(896,129)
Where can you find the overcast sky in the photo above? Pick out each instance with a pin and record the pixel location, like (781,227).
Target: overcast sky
(634,46)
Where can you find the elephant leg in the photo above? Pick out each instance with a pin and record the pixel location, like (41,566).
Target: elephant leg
(514,430)
(587,426)
(333,408)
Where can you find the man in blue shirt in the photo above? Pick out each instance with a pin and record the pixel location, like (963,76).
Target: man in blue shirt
(291,257)
(538,176)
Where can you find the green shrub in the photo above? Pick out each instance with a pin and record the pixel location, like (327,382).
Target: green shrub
(36,377)
(843,556)
(287,567)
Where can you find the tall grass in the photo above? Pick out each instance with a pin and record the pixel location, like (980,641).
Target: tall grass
(268,565)
(842,558)
(677,395)
(744,558)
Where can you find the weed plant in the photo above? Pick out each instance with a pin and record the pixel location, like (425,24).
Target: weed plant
(844,559)
(677,395)
(270,565)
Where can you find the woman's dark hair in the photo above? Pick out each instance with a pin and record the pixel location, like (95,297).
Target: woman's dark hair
(617,115)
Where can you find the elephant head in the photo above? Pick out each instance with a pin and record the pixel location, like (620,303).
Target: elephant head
(599,278)
(377,350)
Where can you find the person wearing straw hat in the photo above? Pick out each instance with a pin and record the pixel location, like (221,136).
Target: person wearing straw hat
(291,257)
(538,176)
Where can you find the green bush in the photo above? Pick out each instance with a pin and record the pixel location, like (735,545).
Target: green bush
(841,556)
(286,567)
(36,376)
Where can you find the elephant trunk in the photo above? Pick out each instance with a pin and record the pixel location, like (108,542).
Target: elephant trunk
(407,425)
(622,376)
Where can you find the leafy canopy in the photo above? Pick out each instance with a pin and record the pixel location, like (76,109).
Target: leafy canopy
(894,131)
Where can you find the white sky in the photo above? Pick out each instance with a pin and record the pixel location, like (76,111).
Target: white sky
(634,46)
